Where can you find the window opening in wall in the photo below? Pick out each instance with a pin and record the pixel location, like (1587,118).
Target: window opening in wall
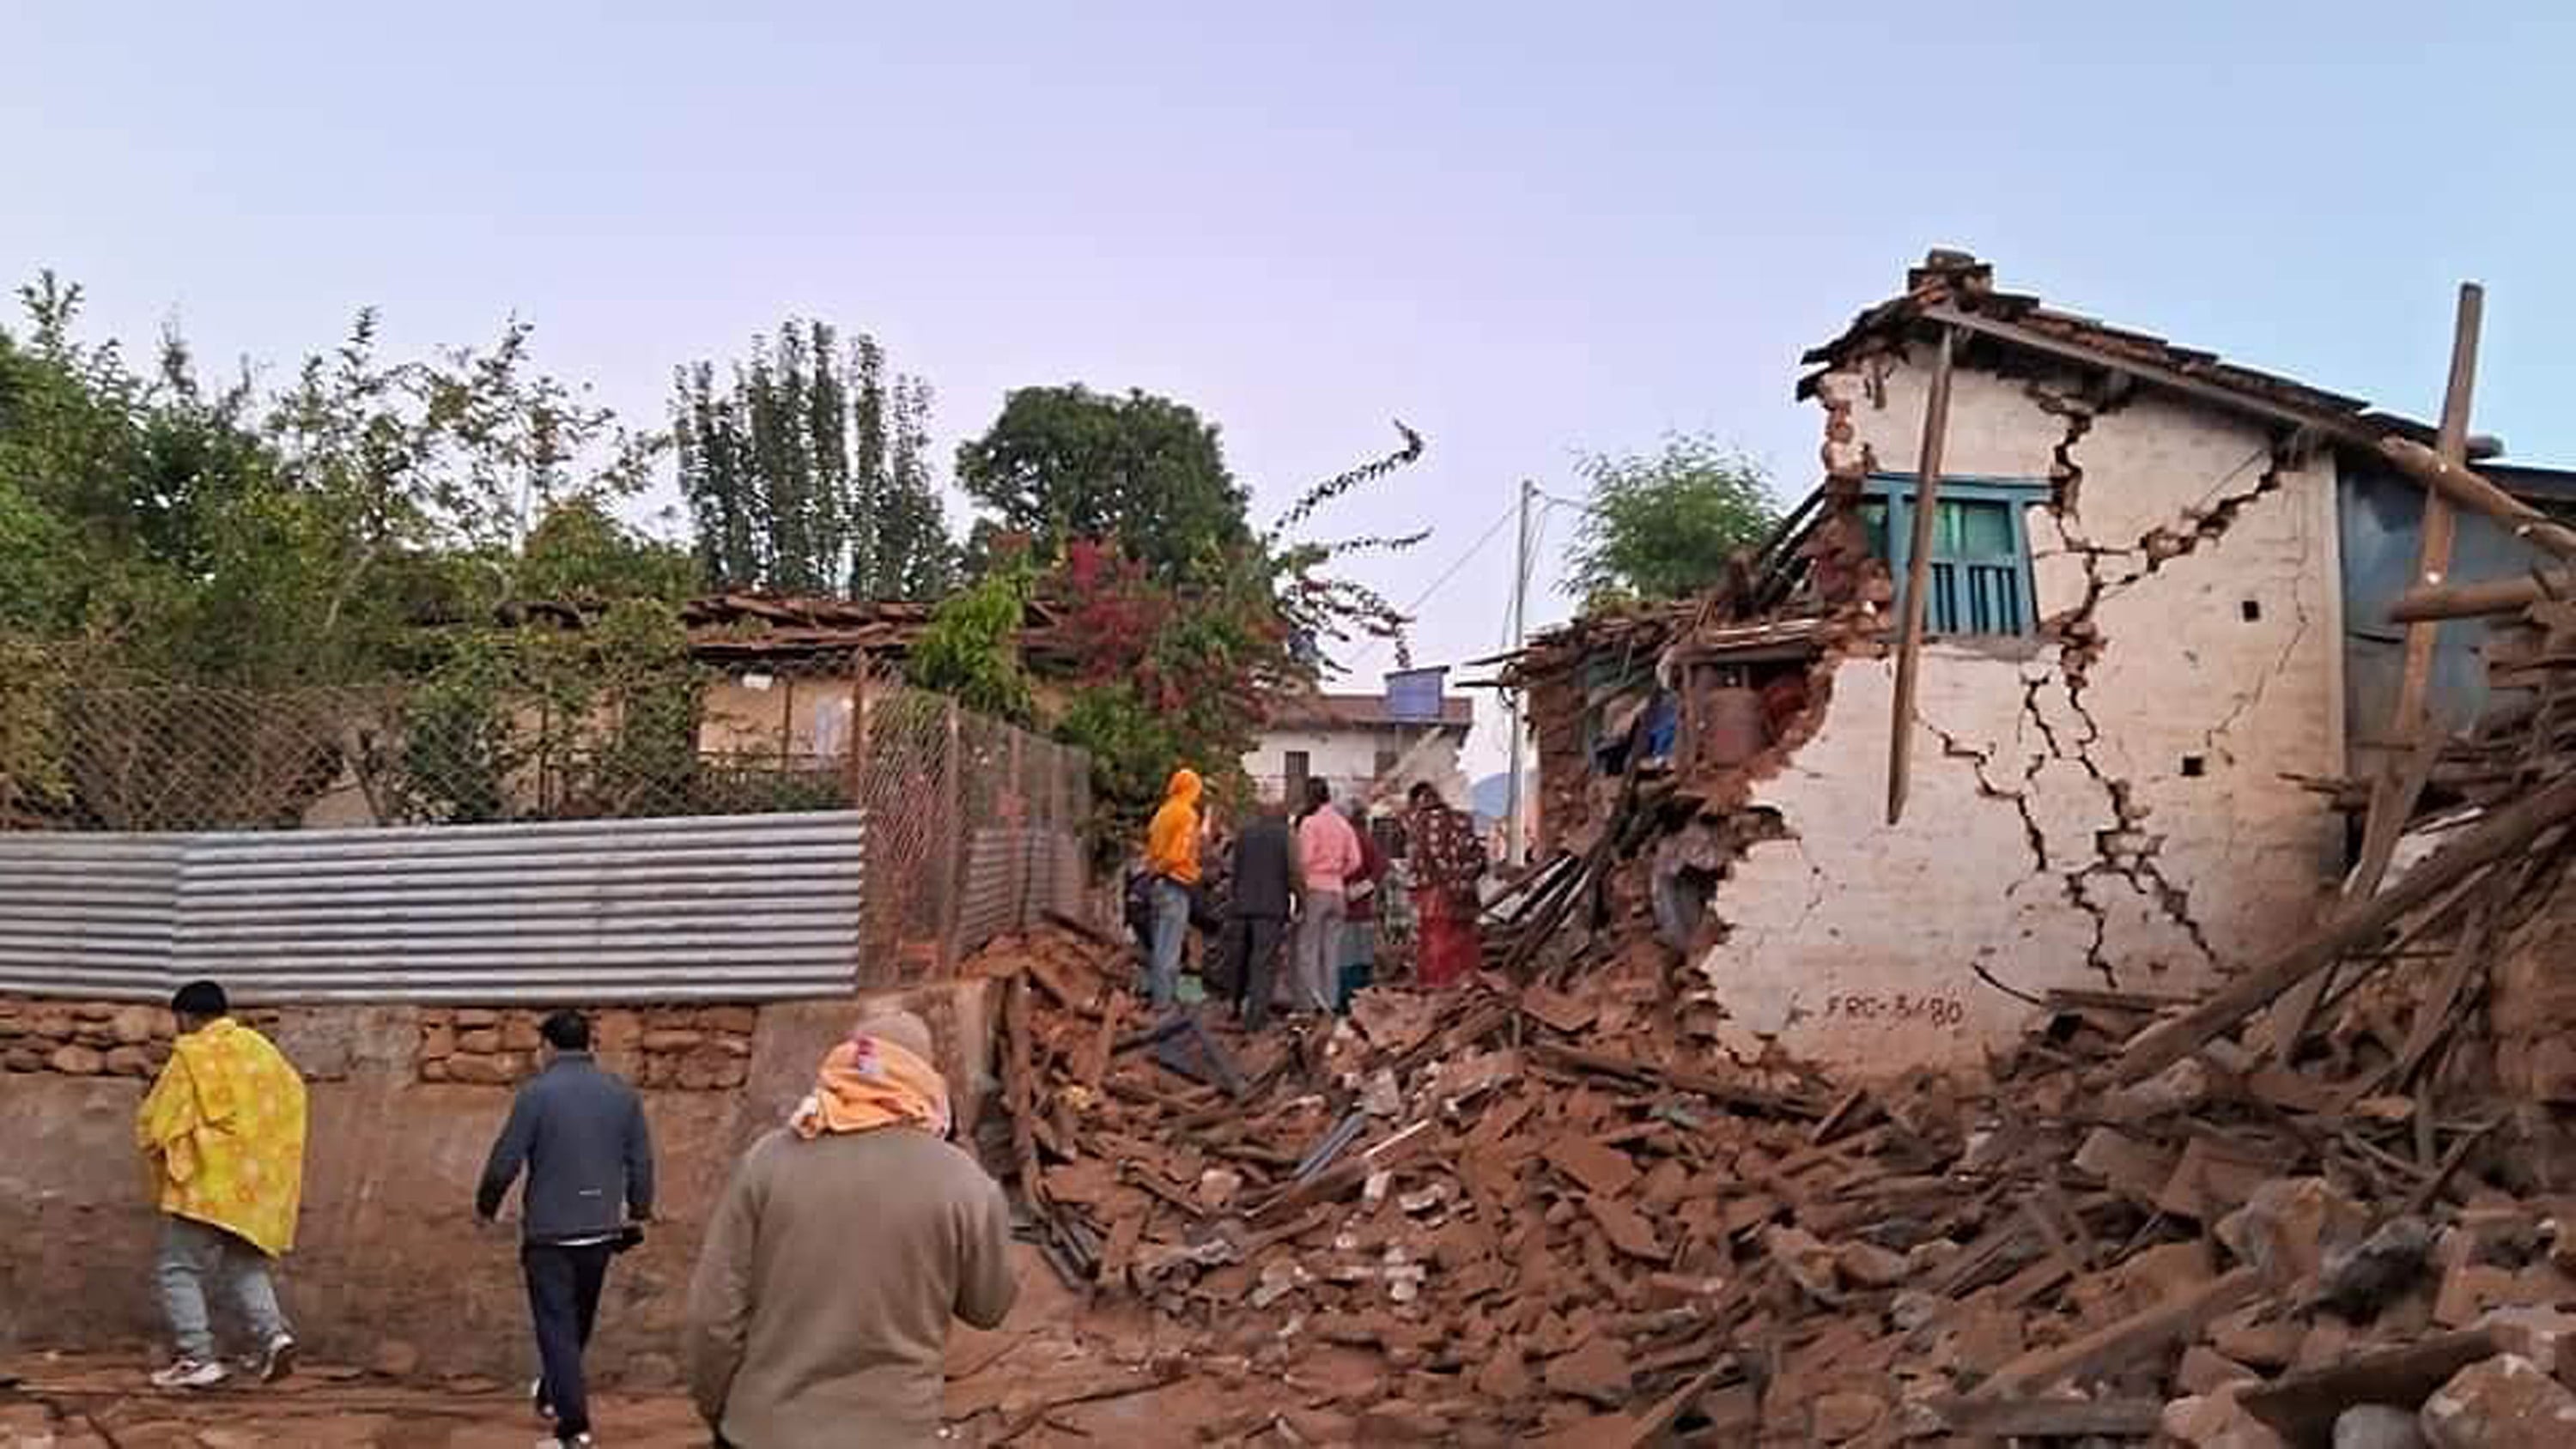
(1293,775)
(2253,610)
(1980,580)
(2194,766)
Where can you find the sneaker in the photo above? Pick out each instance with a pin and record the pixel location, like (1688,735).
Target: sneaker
(191,1373)
(278,1359)
(537,1401)
(577,1441)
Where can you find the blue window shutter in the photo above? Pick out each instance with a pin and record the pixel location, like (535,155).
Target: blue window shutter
(1980,576)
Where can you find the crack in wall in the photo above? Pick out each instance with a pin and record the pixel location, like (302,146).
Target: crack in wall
(2123,850)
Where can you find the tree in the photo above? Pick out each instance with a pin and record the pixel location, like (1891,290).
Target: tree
(1062,463)
(805,474)
(1663,525)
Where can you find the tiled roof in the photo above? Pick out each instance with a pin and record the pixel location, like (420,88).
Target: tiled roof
(1959,283)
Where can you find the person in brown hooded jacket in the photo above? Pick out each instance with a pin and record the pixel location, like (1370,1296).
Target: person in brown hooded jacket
(844,1246)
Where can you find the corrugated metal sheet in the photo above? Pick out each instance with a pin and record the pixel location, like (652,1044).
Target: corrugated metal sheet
(1013,877)
(733,907)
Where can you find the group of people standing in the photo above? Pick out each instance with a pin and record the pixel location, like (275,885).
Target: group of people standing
(847,1240)
(1302,906)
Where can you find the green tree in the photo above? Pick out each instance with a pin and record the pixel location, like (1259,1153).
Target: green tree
(803,473)
(1662,525)
(1062,463)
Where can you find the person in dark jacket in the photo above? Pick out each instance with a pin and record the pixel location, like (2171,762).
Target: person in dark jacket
(1264,886)
(579,1134)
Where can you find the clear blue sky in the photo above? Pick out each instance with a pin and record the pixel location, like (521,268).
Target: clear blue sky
(1525,229)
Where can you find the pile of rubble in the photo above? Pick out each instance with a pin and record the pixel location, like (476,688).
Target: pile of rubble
(1556,1214)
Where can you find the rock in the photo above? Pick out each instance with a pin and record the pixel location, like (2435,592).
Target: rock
(2377,1426)
(76,1061)
(2505,1402)
(1867,1265)
(24,1059)
(2546,1336)
(1401,1421)
(1807,1261)
(2253,1336)
(731,1020)
(475,1018)
(438,1042)
(519,1033)
(616,1031)
(1217,1188)
(701,1070)
(1504,1378)
(2218,1421)
(2469,1290)
(481,1041)
(2287,1227)
(130,1061)
(2357,1280)
(1596,1370)
(434,1071)
(395,1359)
(135,1025)
(1838,1417)
(480,1071)
(2205,1371)
(668,1041)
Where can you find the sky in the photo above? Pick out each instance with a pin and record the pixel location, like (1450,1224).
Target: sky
(1529,231)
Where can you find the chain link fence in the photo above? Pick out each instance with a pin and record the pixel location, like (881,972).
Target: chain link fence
(974,827)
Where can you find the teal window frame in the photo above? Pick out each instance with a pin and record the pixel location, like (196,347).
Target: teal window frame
(1974,590)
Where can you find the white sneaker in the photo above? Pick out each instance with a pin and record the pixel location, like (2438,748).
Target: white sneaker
(578,1441)
(537,1401)
(278,1359)
(190,1373)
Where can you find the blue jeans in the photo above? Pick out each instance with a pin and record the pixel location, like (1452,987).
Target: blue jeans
(191,1253)
(1171,927)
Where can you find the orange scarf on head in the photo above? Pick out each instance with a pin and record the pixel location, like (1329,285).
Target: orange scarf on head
(869,1082)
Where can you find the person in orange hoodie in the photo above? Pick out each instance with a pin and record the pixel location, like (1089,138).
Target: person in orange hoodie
(1172,857)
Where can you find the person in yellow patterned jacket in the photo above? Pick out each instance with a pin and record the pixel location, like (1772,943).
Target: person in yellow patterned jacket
(222,1132)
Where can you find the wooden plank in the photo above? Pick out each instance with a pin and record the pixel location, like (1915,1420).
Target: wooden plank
(2497,837)
(2116,1344)
(1918,576)
(2393,793)
(2051,1418)
(2490,596)
(2302,1406)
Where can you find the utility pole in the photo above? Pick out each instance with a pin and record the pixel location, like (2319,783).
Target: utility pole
(1513,853)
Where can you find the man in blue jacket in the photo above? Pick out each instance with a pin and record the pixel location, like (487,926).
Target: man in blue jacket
(579,1133)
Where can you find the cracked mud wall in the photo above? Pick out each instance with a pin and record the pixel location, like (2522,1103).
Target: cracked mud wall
(2102,805)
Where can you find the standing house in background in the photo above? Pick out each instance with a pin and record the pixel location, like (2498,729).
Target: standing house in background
(1362,745)
(2158,647)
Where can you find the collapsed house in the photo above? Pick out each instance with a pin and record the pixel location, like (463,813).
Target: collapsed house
(2157,643)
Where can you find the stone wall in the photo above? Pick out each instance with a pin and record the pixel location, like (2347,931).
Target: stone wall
(681,1048)
(389,1266)
(2113,803)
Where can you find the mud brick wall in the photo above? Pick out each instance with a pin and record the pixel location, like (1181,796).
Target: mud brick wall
(388,1267)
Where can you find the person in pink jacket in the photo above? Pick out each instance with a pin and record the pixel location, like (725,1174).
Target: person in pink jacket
(1328,855)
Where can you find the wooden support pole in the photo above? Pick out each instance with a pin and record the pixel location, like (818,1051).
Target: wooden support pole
(2465,487)
(1918,576)
(2410,720)
(2491,596)
(2414,741)
(2498,837)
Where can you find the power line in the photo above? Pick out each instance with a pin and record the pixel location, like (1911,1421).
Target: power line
(1415,608)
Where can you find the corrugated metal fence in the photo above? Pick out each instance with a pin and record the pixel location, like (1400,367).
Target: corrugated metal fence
(736,908)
